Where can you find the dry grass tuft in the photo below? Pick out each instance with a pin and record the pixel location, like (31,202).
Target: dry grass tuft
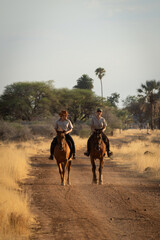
(15,216)
(80,142)
(139,150)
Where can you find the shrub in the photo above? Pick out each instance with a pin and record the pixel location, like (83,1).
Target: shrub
(82,130)
(42,129)
(6,131)
(14,131)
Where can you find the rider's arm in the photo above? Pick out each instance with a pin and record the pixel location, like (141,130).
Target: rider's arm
(70,127)
(104,125)
(68,131)
(56,125)
(92,125)
(103,129)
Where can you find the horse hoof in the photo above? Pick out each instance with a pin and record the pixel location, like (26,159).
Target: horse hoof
(94,182)
(100,182)
(68,182)
(62,184)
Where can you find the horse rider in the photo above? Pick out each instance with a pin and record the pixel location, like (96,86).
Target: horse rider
(63,124)
(98,122)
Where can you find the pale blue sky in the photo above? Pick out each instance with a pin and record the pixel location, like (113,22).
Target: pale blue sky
(61,40)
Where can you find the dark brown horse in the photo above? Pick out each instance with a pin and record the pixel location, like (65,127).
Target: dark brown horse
(62,153)
(98,151)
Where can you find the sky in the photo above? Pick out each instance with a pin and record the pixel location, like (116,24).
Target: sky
(61,40)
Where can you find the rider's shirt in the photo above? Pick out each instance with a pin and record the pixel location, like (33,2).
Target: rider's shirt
(98,123)
(63,125)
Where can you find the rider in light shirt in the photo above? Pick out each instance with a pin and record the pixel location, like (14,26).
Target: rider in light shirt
(63,124)
(98,122)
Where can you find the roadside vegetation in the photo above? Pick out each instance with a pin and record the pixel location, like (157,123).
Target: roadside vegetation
(28,111)
(15,215)
(139,150)
(136,149)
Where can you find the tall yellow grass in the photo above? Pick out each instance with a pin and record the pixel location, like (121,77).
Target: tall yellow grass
(15,215)
(41,145)
(139,150)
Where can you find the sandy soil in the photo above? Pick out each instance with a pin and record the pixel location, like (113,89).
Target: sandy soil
(126,206)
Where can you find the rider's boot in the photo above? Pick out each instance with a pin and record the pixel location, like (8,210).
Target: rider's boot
(74,156)
(51,157)
(109,153)
(87,153)
(53,144)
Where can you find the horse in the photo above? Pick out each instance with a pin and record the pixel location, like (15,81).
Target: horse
(97,151)
(62,154)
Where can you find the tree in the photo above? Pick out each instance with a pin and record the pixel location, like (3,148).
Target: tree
(114,99)
(26,100)
(80,103)
(149,94)
(84,82)
(113,121)
(138,109)
(100,72)
(126,118)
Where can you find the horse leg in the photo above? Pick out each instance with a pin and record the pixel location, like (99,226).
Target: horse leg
(60,172)
(64,164)
(69,168)
(93,162)
(100,171)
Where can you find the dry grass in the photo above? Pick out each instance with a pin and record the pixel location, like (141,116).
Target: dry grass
(15,216)
(138,150)
(42,146)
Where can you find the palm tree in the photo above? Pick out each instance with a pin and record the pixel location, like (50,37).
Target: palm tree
(100,72)
(149,93)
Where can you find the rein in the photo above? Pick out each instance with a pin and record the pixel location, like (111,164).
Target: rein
(98,138)
(61,140)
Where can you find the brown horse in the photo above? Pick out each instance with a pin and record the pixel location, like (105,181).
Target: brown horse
(98,151)
(62,153)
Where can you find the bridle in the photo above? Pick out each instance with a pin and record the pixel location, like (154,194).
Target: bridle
(98,138)
(61,140)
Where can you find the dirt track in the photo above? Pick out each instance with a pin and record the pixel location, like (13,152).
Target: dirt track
(126,206)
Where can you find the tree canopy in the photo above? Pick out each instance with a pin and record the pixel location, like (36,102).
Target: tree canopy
(35,100)
(114,99)
(145,107)
(41,100)
(26,100)
(84,82)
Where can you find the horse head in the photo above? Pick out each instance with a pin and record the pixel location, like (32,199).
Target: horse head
(97,136)
(61,139)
